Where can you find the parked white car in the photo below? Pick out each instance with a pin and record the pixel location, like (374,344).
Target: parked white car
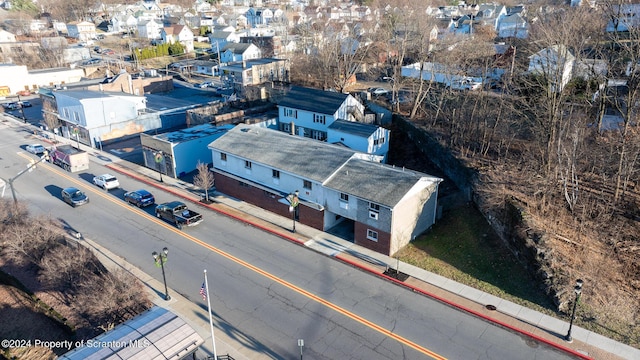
(377,91)
(106,181)
(465,84)
(35,149)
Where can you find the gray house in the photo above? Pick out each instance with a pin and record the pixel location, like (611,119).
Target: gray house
(383,206)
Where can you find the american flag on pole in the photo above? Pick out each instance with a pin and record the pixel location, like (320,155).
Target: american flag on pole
(203,292)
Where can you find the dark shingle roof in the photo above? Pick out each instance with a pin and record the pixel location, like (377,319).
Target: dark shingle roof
(354,128)
(318,101)
(314,160)
(236,48)
(375,182)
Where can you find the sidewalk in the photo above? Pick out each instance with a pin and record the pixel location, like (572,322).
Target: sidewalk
(530,323)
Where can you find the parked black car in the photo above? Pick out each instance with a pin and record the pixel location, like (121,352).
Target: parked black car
(140,198)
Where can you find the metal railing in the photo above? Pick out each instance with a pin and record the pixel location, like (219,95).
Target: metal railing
(220,357)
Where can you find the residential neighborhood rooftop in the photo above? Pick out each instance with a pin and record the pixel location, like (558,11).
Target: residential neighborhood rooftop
(193,133)
(318,101)
(353,127)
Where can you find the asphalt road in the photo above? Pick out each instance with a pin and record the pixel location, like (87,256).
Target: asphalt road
(266,292)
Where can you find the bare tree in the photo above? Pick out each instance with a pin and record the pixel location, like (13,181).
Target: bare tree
(30,241)
(110,298)
(334,53)
(204,179)
(69,10)
(624,62)
(64,267)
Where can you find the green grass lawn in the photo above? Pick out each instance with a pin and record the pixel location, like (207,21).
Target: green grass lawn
(463,247)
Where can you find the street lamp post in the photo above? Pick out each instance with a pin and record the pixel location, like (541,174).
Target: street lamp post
(393,88)
(293,207)
(160,259)
(578,290)
(76,132)
(158,156)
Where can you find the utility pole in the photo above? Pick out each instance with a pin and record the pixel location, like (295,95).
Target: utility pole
(28,169)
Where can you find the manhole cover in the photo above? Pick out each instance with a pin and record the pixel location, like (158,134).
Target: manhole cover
(491,307)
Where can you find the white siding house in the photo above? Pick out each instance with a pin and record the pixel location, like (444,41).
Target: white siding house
(150,29)
(330,116)
(386,207)
(309,112)
(233,52)
(178,33)
(82,31)
(555,63)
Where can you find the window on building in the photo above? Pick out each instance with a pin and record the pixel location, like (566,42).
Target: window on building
(275,174)
(291,113)
(372,235)
(286,127)
(378,141)
(318,118)
(306,184)
(319,135)
(247,164)
(374,207)
(344,197)
(223,156)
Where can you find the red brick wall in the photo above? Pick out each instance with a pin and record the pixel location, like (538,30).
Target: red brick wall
(383,245)
(260,198)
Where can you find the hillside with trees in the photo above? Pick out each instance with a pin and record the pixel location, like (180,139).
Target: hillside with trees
(552,168)
(58,284)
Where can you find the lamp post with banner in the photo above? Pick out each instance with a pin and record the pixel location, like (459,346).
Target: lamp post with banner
(76,132)
(294,201)
(158,156)
(160,259)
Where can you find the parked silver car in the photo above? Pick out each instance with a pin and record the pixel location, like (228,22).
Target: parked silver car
(74,197)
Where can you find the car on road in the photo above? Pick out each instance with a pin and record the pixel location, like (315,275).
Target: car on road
(74,197)
(24,92)
(465,84)
(91,61)
(108,52)
(377,91)
(178,213)
(35,149)
(140,198)
(106,181)
(11,106)
(205,84)
(24,104)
